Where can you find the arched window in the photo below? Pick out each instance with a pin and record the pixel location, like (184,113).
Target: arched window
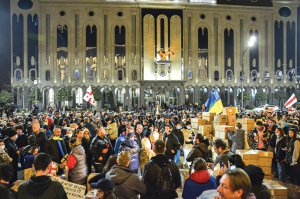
(47,75)
(216,75)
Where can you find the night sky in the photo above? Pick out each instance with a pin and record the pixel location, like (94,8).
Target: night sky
(4,43)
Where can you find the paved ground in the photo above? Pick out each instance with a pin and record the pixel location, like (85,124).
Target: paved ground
(293,190)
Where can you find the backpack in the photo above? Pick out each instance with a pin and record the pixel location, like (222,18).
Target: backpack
(164,179)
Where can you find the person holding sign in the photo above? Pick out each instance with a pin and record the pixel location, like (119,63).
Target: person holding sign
(41,185)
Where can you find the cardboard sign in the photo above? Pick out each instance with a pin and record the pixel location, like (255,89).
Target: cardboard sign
(74,191)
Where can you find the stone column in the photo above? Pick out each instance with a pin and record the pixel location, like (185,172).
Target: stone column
(142,95)
(284,63)
(26,77)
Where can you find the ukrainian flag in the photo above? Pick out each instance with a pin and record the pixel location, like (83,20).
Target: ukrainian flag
(214,103)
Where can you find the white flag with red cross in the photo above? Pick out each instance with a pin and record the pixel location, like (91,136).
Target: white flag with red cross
(292,100)
(89,97)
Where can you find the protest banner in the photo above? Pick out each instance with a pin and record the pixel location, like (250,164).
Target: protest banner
(74,191)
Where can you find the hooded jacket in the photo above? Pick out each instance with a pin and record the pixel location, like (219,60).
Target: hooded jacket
(133,148)
(197,183)
(41,187)
(150,177)
(223,157)
(198,151)
(127,185)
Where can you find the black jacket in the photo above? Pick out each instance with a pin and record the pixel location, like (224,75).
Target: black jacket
(41,187)
(53,149)
(261,191)
(41,141)
(171,143)
(280,153)
(150,177)
(139,138)
(179,136)
(22,140)
(12,148)
(198,151)
(97,146)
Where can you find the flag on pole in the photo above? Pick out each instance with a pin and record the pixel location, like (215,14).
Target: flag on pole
(292,100)
(89,97)
(214,103)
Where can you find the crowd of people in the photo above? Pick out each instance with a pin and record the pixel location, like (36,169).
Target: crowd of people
(141,155)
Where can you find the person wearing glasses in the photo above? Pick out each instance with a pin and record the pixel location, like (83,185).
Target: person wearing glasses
(235,184)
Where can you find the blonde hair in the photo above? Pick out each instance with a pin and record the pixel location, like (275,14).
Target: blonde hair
(154,136)
(123,158)
(146,143)
(86,130)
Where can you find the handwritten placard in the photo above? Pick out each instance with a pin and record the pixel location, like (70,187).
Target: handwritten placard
(74,191)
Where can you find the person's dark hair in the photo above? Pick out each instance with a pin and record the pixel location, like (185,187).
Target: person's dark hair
(294,130)
(159,146)
(220,143)
(281,131)
(239,179)
(255,174)
(112,160)
(239,125)
(32,149)
(41,161)
(237,160)
(1,140)
(6,172)
(199,164)
(32,140)
(168,126)
(199,137)
(28,129)
(19,127)
(4,192)
(259,123)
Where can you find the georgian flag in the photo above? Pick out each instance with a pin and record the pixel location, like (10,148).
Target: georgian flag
(292,100)
(89,97)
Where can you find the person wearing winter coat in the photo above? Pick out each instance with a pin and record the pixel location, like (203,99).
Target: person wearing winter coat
(56,146)
(292,156)
(172,143)
(41,185)
(237,138)
(279,153)
(86,143)
(220,147)
(112,130)
(105,189)
(12,150)
(153,175)
(121,139)
(100,149)
(200,149)
(146,153)
(258,137)
(41,138)
(77,163)
(199,180)
(178,133)
(256,176)
(133,148)
(127,184)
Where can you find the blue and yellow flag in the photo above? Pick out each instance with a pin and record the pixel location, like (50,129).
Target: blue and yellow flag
(214,103)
